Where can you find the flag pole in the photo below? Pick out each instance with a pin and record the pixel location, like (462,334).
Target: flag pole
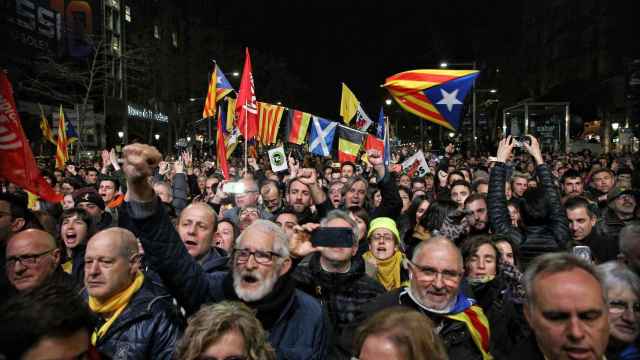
(246,138)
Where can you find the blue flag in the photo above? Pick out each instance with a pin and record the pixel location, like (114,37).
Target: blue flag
(380,133)
(72,135)
(321,136)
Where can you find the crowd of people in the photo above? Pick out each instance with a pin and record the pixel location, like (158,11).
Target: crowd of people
(521,255)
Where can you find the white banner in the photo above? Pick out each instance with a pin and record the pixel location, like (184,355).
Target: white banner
(278,159)
(416,165)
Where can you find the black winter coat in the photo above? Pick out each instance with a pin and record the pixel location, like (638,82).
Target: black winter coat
(148,328)
(455,335)
(534,240)
(341,294)
(300,329)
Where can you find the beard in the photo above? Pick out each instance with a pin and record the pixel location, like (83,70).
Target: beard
(265,285)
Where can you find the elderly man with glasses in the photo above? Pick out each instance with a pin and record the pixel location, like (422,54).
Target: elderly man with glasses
(33,259)
(246,196)
(259,276)
(435,275)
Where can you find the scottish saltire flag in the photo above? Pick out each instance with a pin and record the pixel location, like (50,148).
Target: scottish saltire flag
(321,136)
(434,95)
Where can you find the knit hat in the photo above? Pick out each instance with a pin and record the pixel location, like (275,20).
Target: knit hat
(384,223)
(88,195)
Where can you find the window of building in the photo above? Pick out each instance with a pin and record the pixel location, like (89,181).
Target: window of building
(174,39)
(115,45)
(127,13)
(156,31)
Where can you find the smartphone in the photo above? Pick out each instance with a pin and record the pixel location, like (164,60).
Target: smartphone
(337,237)
(520,140)
(583,252)
(233,188)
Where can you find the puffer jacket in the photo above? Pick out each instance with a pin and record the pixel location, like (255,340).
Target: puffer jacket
(455,335)
(301,329)
(534,240)
(341,294)
(215,260)
(148,328)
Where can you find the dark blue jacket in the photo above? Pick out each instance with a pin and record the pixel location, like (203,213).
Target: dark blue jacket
(301,330)
(148,328)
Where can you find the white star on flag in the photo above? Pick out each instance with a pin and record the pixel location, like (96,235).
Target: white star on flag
(449,99)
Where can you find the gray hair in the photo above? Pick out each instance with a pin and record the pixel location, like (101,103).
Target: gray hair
(628,237)
(342,215)
(617,275)
(280,239)
(554,263)
(437,240)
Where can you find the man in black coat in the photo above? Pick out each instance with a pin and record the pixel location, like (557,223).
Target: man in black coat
(337,278)
(197,226)
(545,222)
(584,232)
(435,274)
(137,319)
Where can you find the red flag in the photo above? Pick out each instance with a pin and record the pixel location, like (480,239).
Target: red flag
(374,143)
(221,150)
(16,159)
(246,104)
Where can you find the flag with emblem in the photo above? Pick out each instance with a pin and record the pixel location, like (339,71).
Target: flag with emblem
(278,159)
(363,121)
(62,153)
(321,136)
(72,135)
(297,126)
(349,142)
(17,163)
(435,95)
(221,149)
(269,117)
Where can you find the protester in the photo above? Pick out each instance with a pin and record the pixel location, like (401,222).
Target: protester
(89,200)
(629,243)
(566,310)
(196,227)
(582,221)
(226,330)
(136,317)
(622,289)
(76,228)
(225,236)
(259,276)
(384,260)
(399,333)
(51,322)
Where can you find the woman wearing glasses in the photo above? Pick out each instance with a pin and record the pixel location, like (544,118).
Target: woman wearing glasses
(622,287)
(384,259)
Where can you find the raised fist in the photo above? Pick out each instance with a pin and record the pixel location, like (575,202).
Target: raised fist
(139,161)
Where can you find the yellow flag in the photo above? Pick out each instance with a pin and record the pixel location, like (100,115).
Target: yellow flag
(44,126)
(348,104)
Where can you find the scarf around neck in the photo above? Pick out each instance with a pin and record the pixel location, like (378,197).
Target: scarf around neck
(388,271)
(268,309)
(115,305)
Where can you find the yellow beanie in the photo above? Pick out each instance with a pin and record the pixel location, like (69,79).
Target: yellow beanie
(384,223)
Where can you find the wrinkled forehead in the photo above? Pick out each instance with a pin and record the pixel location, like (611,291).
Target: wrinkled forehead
(257,239)
(439,256)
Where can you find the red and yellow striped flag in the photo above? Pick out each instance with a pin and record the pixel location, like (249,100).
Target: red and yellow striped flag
(210,102)
(478,325)
(269,117)
(62,154)
(44,126)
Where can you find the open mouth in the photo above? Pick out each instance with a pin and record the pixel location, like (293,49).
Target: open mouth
(578,353)
(381,249)
(190,243)
(250,279)
(71,238)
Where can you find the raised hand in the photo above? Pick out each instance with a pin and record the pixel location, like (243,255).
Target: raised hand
(308,176)
(505,147)
(300,242)
(164,168)
(178,166)
(293,166)
(106,160)
(139,162)
(376,159)
(534,150)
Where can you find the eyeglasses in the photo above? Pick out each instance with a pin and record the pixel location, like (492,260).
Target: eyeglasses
(261,257)
(386,237)
(26,260)
(249,212)
(232,357)
(431,274)
(620,306)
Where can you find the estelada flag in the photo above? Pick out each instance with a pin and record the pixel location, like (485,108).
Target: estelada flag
(17,163)
(221,150)
(297,126)
(62,152)
(210,100)
(246,104)
(349,142)
(44,126)
(269,117)
(434,95)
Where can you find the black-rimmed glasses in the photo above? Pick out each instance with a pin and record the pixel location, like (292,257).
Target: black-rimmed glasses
(27,260)
(261,257)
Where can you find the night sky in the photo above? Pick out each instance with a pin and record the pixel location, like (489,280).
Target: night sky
(363,42)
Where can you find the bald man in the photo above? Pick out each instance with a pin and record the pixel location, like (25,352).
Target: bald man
(32,258)
(139,320)
(196,227)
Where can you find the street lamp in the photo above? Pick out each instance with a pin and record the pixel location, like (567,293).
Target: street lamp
(120,135)
(188,138)
(615,126)
(157,136)
(388,102)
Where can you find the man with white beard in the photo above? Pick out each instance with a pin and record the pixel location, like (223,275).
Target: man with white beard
(296,323)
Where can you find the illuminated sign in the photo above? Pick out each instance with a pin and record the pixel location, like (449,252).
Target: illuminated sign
(140,112)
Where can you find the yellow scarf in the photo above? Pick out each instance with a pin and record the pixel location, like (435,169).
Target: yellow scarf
(115,305)
(388,271)
(68,266)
